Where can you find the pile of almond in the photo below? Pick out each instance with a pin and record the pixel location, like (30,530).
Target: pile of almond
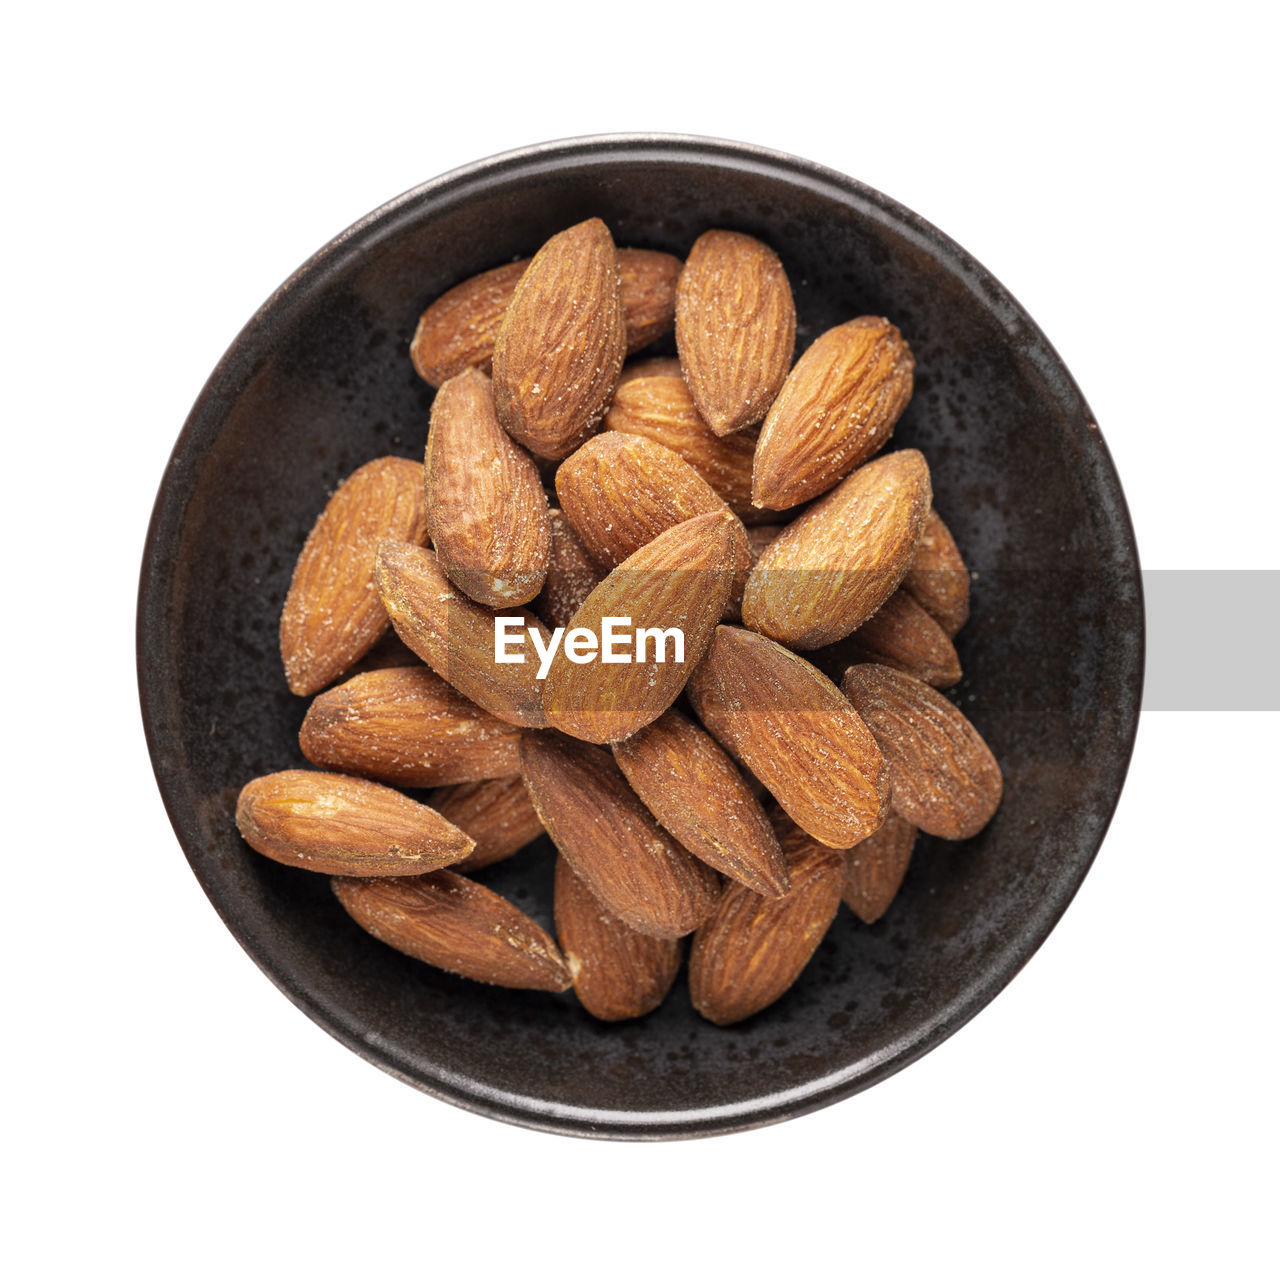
(726,511)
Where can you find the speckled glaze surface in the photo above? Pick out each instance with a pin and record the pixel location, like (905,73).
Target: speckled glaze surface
(320,381)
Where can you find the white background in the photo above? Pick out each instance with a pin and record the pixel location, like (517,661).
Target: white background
(168,1111)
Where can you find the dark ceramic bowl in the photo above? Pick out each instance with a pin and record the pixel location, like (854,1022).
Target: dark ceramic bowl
(320,381)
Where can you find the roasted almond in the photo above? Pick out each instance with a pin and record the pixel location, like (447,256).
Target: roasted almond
(837,407)
(790,726)
(451,922)
(647,285)
(345,826)
(752,949)
(873,869)
(661,409)
(561,344)
(497,814)
(650,367)
(938,578)
(620,492)
(333,615)
(486,509)
(945,779)
(673,591)
(454,636)
(572,574)
(900,634)
(617,972)
(692,787)
(836,564)
(735,328)
(460,329)
(406,725)
(639,872)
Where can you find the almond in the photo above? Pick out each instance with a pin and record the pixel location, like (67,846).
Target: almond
(408,726)
(692,787)
(676,587)
(454,636)
(901,635)
(789,725)
(945,779)
(345,826)
(735,328)
(620,492)
(460,329)
(650,367)
(332,615)
(938,578)
(661,409)
(837,407)
(451,922)
(617,972)
(497,814)
(486,510)
(572,574)
(752,949)
(647,285)
(639,872)
(873,869)
(561,344)
(836,564)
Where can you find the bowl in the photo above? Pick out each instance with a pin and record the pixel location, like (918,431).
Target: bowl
(319,381)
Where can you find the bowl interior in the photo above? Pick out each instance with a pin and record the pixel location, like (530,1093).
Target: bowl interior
(320,381)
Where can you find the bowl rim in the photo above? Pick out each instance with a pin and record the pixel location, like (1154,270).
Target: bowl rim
(237,366)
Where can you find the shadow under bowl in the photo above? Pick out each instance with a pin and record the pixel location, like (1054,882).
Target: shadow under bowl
(319,381)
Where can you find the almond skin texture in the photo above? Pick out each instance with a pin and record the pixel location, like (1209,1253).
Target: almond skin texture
(454,636)
(938,578)
(735,328)
(873,870)
(572,575)
(497,814)
(562,342)
(333,615)
(836,564)
(836,409)
(681,579)
(617,972)
(639,872)
(460,329)
(692,787)
(752,949)
(453,923)
(406,725)
(620,492)
(661,409)
(486,509)
(345,826)
(945,779)
(900,634)
(789,725)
